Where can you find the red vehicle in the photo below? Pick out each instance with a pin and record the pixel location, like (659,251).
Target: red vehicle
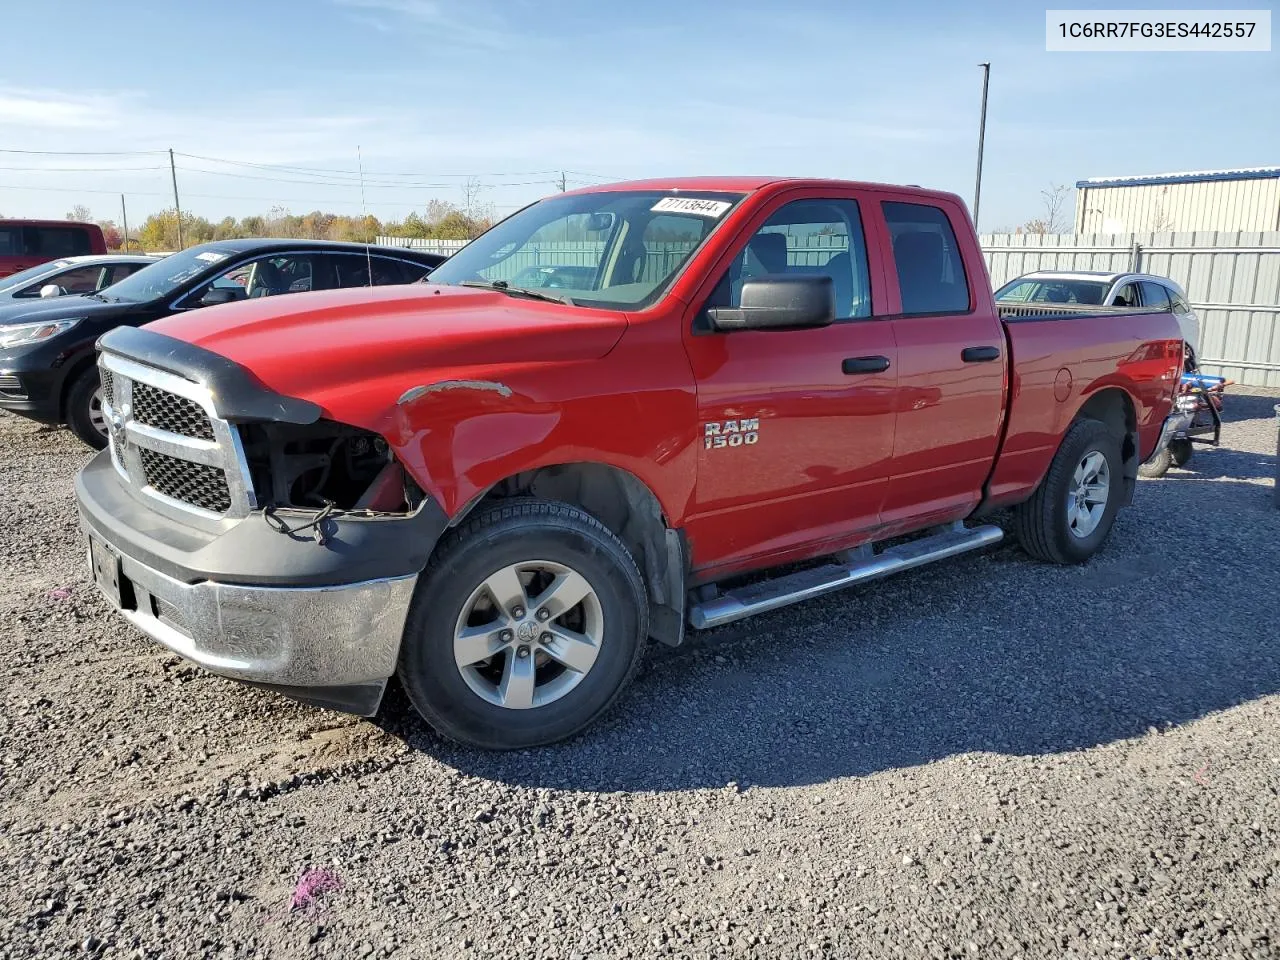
(28,243)
(501,492)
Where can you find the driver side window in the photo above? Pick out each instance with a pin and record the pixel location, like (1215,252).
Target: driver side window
(817,237)
(264,277)
(1126,296)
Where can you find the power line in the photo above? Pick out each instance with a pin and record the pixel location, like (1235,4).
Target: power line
(84,153)
(354,174)
(333,172)
(222,196)
(410,204)
(135,193)
(326,182)
(85,169)
(313,182)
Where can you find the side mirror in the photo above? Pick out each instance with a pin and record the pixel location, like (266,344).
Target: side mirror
(599,221)
(52,290)
(780,302)
(216,295)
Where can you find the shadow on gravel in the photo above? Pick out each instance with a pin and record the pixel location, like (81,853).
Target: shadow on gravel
(1248,406)
(991,652)
(1208,463)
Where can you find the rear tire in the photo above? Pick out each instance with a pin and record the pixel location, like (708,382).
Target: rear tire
(490,671)
(84,411)
(1071,513)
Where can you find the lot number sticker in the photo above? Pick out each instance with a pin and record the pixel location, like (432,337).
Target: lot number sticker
(703,208)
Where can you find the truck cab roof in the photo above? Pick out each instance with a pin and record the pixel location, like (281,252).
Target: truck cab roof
(748,184)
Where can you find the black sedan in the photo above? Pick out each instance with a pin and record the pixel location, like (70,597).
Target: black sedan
(47,362)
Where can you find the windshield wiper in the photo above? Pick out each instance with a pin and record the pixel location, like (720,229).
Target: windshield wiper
(504,287)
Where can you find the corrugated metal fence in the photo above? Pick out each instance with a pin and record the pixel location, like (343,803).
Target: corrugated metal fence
(1232,279)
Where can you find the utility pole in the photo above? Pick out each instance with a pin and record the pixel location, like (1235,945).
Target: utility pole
(124,215)
(173,171)
(982,135)
(562,181)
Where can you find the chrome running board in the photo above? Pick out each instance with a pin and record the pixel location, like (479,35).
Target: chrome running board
(782,591)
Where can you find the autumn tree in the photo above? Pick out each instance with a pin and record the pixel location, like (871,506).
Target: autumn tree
(1052,201)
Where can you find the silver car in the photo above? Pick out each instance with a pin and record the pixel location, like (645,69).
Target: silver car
(1101,289)
(70,275)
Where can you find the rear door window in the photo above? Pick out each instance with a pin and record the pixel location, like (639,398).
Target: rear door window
(1154,296)
(10,241)
(413,271)
(931,276)
(387,273)
(56,241)
(122,270)
(353,270)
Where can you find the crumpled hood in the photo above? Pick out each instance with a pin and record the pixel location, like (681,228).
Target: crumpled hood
(356,351)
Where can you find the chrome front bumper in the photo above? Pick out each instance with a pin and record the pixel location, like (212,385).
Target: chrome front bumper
(342,640)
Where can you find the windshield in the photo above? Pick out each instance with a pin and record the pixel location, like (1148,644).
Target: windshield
(165,276)
(15,280)
(611,249)
(1088,292)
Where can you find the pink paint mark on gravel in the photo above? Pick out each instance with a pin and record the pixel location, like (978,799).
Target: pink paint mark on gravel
(59,593)
(309,893)
(1199,776)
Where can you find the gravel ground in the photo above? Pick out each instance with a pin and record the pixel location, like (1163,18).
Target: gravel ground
(987,758)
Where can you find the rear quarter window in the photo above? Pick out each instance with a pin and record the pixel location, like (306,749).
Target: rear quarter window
(57,241)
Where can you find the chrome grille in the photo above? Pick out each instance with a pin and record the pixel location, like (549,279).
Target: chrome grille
(168,411)
(196,483)
(108,385)
(168,443)
(9,383)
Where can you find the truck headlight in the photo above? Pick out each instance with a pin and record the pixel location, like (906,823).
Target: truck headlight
(13,335)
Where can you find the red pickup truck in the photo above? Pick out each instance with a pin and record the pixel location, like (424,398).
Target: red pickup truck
(620,412)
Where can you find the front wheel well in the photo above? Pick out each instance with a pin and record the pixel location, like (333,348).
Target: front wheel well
(1114,407)
(628,508)
(76,369)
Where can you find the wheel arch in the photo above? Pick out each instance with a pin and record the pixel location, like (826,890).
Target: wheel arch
(627,507)
(73,370)
(1115,407)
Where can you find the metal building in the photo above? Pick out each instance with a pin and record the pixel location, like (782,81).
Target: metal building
(1246,199)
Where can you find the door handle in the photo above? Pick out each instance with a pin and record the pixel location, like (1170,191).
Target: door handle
(854,365)
(980,354)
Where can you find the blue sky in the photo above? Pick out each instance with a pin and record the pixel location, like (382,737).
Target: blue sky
(513,91)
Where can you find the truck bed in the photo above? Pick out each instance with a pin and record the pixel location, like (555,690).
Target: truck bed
(1061,356)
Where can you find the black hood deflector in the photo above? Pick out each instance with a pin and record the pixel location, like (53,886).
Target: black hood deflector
(237,394)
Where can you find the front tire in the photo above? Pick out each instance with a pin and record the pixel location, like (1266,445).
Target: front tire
(84,413)
(526,626)
(1071,513)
